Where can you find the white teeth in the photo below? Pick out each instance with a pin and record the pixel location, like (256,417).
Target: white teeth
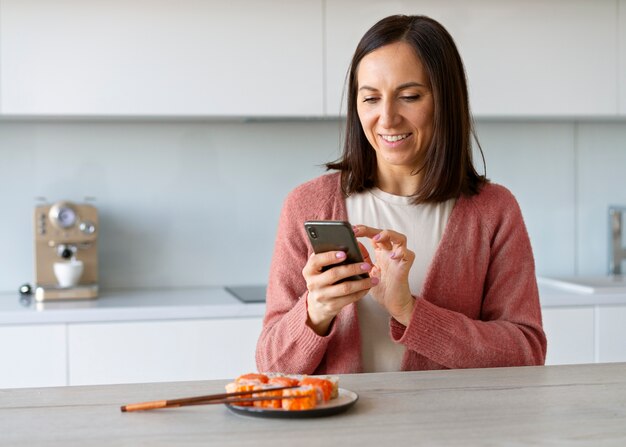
(392,138)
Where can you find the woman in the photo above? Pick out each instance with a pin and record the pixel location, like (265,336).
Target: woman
(452,283)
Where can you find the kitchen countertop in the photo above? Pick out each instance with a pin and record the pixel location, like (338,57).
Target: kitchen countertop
(552,296)
(199,303)
(130,305)
(540,405)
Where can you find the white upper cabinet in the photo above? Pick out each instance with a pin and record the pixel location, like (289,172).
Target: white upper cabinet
(532,58)
(274,58)
(622,57)
(161,58)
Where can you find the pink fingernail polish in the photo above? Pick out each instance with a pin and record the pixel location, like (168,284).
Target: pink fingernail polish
(392,255)
(340,255)
(375,281)
(366,267)
(376,237)
(355,229)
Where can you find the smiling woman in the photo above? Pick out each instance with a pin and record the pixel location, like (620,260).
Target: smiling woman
(415,58)
(451,279)
(395,107)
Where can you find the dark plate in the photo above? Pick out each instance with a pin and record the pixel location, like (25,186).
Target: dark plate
(344,400)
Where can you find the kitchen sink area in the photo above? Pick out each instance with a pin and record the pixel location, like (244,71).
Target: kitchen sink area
(595,285)
(615,281)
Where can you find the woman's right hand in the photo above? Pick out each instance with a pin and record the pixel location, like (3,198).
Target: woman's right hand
(326,296)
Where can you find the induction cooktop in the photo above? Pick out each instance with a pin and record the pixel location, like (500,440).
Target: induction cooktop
(248,294)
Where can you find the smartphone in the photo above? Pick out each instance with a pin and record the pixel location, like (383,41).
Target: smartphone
(335,235)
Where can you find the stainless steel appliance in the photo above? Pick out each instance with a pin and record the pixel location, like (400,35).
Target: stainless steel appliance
(617,233)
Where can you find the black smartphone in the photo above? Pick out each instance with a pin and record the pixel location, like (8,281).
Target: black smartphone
(335,235)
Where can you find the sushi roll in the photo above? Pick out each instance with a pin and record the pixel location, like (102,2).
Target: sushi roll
(324,386)
(305,398)
(274,403)
(283,381)
(252,377)
(334,380)
(310,391)
(237,387)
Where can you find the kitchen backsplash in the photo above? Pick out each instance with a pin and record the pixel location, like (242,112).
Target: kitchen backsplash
(192,203)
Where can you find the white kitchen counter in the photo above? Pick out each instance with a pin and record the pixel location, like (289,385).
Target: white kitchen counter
(161,335)
(200,303)
(552,296)
(129,305)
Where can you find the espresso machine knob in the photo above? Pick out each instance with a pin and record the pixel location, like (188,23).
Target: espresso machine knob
(66,251)
(62,215)
(87,227)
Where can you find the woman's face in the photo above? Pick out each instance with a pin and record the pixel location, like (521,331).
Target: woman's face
(395,105)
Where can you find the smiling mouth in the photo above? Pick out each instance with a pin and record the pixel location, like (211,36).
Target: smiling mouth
(394,138)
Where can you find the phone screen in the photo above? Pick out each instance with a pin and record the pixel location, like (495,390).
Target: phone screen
(335,235)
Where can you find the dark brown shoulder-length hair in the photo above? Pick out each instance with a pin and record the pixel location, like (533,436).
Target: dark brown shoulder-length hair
(448,169)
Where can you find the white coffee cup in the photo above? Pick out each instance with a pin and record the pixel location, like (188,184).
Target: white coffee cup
(68,273)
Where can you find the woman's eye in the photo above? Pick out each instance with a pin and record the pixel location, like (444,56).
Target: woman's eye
(370,99)
(411,98)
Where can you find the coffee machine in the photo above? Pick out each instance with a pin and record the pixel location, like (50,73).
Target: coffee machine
(66,251)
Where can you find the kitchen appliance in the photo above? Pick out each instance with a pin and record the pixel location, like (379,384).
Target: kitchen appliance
(248,294)
(66,251)
(617,236)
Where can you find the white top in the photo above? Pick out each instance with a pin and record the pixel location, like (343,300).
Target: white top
(423,225)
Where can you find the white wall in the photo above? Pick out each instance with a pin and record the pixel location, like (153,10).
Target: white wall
(536,161)
(187,203)
(181,203)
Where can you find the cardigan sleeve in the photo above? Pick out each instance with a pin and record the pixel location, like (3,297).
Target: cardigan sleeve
(286,343)
(508,330)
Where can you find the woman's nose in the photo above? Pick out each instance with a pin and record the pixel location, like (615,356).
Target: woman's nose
(388,115)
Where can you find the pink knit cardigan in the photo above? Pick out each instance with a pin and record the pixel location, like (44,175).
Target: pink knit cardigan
(479,306)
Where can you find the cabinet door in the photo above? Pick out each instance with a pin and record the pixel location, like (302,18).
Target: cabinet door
(161,58)
(612,334)
(622,57)
(33,356)
(538,58)
(161,351)
(570,333)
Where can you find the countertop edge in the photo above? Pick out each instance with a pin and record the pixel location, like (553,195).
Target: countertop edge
(200,303)
(129,306)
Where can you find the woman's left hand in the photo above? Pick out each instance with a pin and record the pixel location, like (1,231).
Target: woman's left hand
(393,263)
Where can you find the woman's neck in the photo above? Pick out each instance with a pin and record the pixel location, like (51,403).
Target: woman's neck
(399,182)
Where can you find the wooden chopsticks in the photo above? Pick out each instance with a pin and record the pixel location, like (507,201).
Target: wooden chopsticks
(223,398)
